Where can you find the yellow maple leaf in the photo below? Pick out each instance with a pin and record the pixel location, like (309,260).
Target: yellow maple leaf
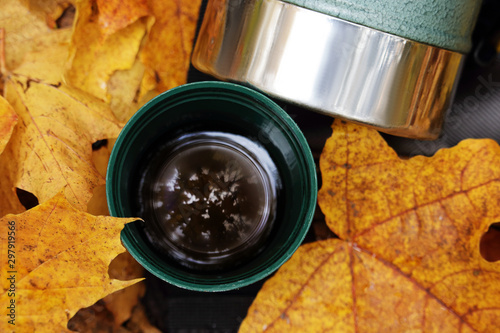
(167,51)
(124,90)
(46,58)
(408,258)
(55,266)
(22,29)
(51,146)
(121,303)
(50,149)
(95,54)
(47,10)
(40,62)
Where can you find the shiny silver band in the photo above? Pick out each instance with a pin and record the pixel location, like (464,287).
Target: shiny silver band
(330,65)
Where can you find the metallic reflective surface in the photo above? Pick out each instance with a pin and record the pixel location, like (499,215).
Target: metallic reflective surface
(332,66)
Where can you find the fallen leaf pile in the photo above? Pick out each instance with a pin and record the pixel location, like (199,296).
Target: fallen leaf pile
(411,253)
(72,73)
(408,255)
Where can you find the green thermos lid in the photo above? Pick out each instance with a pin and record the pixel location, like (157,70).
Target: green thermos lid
(230,111)
(442,23)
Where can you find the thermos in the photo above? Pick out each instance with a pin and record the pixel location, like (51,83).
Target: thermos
(389,64)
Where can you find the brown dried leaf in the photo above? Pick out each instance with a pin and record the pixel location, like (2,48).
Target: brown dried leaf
(95,319)
(490,243)
(98,318)
(98,204)
(122,302)
(139,322)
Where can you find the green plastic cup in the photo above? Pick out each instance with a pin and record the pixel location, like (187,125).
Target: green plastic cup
(224,107)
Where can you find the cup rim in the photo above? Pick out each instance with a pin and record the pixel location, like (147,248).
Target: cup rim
(129,239)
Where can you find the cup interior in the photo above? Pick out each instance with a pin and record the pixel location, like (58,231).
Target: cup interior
(225,107)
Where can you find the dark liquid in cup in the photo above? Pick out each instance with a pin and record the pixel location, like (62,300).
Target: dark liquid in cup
(209,199)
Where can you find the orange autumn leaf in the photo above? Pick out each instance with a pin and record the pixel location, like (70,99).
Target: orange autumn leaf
(167,52)
(95,54)
(408,257)
(8,120)
(56,265)
(115,15)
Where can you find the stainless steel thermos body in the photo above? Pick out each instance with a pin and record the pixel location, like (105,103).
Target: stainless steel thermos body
(388,64)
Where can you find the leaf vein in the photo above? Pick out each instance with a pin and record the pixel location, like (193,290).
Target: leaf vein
(304,285)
